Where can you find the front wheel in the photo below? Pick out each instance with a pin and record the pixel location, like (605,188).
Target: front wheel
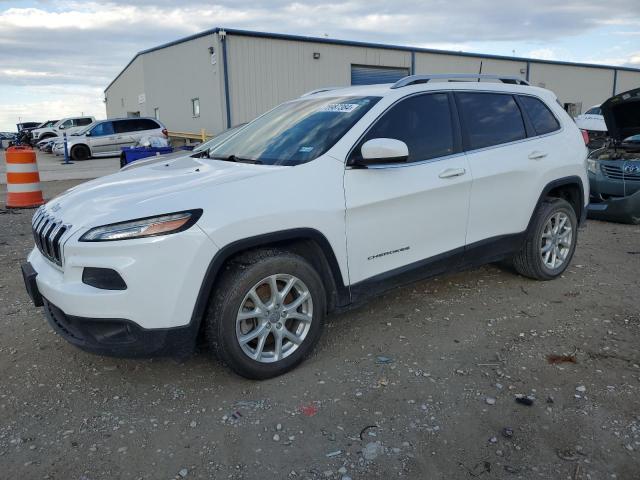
(266,314)
(80,152)
(550,243)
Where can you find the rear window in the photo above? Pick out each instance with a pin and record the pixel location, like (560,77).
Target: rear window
(490,119)
(82,122)
(541,117)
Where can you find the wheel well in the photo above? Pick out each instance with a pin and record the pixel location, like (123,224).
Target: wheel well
(308,243)
(308,249)
(80,145)
(572,193)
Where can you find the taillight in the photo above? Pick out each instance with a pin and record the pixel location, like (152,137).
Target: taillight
(165,133)
(585,136)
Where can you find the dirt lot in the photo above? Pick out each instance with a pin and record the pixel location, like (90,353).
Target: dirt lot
(420,383)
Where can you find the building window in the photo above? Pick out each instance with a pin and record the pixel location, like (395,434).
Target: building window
(156,113)
(195,107)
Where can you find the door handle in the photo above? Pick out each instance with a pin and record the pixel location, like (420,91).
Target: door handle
(537,155)
(452,172)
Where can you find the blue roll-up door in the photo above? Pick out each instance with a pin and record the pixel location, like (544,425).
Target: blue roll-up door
(368,75)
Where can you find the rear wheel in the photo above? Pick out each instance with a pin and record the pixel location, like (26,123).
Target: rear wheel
(550,243)
(267,313)
(80,152)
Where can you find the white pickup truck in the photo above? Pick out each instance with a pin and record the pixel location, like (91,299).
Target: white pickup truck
(69,125)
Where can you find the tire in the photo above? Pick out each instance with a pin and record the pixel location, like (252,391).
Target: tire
(252,272)
(530,261)
(80,152)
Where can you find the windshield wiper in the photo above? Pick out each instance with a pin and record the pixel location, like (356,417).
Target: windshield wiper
(235,158)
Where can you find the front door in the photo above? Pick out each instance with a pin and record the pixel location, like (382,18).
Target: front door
(102,140)
(401,215)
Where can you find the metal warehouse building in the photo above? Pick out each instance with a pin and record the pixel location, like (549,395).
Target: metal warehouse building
(223,77)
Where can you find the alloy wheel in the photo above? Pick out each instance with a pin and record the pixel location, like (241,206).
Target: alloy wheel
(556,240)
(274,318)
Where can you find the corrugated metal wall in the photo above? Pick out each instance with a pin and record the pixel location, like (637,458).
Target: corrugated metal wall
(264,72)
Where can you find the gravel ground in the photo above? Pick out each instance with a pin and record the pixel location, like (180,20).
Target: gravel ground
(420,383)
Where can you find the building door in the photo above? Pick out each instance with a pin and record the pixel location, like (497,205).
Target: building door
(371,75)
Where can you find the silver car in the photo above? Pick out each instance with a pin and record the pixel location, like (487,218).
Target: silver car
(106,138)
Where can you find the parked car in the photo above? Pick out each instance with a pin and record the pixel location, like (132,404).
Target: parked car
(106,138)
(614,170)
(199,151)
(309,209)
(593,123)
(68,125)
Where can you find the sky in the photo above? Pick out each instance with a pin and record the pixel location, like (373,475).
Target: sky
(57,56)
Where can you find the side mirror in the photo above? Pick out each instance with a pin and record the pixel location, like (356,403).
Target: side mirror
(88,134)
(383,150)
(62,127)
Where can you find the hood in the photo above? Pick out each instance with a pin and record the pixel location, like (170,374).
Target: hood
(157,159)
(622,115)
(181,184)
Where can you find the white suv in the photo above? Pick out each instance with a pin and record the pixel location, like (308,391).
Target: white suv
(312,207)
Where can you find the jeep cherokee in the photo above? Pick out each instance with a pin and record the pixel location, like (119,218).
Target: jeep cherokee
(312,207)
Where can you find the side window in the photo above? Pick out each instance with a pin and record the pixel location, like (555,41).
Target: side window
(102,129)
(423,122)
(490,119)
(123,126)
(594,111)
(67,123)
(541,117)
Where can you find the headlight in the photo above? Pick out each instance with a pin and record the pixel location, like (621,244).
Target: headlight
(143,227)
(592,166)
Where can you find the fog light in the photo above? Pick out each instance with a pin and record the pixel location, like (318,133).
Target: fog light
(103,278)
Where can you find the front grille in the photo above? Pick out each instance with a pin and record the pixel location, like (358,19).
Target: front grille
(618,173)
(613,171)
(48,232)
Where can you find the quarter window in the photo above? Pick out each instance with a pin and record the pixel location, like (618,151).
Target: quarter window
(541,117)
(423,122)
(490,119)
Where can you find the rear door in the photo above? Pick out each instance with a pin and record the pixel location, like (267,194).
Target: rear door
(506,160)
(126,132)
(400,215)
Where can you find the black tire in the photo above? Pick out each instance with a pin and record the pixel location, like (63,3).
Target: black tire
(528,261)
(80,152)
(239,277)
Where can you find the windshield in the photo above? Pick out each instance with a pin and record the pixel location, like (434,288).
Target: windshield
(86,129)
(218,139)
(295,132)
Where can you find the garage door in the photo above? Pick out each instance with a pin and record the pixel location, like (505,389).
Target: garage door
(368,75)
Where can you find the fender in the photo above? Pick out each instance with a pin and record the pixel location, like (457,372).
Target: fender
(338,290)
(560,182)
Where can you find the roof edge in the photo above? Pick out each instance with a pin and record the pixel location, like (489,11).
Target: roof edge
(355,43)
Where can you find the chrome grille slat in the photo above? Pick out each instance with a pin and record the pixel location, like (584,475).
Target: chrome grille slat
(48,234)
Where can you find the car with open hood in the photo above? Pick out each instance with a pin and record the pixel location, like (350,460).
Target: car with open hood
(614,169)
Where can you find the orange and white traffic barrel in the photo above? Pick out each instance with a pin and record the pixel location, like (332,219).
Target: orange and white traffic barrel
(23,179)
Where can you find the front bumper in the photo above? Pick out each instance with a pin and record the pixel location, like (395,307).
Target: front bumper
(119,337)
(621,209)
(111,336)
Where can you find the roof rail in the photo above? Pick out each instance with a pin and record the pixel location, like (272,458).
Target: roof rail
(466,77)
(319,90)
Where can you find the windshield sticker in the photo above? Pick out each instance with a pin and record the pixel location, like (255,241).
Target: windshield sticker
(305,149)
(340,107)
